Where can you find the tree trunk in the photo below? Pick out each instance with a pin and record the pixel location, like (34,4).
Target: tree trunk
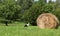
(6,23)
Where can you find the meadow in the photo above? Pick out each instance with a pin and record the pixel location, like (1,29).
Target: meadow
(18,29)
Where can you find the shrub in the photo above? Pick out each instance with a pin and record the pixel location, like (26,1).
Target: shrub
(37,9)
(57,12)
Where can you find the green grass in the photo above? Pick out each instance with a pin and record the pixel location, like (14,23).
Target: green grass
(18,29)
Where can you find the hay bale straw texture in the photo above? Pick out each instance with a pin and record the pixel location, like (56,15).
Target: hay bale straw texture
(47,20)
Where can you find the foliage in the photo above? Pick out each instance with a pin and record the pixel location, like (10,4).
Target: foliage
(9,10)
(25,4)
(26,10)
(57,12)
(37,9)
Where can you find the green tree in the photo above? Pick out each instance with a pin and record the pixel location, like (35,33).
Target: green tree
(25,4)
(9,10)
(38,8)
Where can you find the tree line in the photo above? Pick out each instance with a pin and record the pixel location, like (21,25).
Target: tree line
(25,10)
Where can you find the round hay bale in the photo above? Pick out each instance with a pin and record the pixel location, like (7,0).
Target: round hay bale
(47,20)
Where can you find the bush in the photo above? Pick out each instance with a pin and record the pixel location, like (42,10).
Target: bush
(37,9)
(57,12)
(10,11)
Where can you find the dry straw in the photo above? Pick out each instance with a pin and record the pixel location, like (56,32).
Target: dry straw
(47,20)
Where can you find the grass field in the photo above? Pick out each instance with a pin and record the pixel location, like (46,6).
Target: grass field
(18,29)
